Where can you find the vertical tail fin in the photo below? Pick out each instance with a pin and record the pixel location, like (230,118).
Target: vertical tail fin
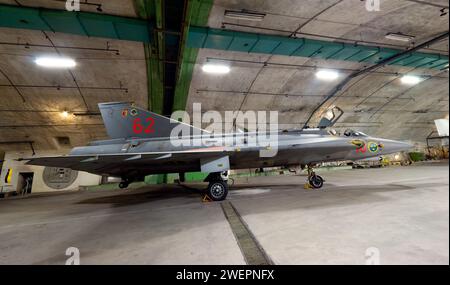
(122,120)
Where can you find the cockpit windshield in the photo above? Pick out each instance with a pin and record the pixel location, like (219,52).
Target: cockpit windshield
(352,133)
(333,132)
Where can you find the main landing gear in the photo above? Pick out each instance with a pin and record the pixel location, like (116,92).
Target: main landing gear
(125,183)
(217,188)
(314,180)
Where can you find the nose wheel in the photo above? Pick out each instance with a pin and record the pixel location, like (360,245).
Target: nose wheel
(316,181)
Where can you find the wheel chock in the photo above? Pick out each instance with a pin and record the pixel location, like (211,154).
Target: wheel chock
(206,199)
(307,186)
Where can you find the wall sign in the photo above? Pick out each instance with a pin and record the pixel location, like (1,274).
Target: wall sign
(59,178)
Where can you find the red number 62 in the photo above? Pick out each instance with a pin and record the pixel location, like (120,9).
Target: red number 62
(138,128)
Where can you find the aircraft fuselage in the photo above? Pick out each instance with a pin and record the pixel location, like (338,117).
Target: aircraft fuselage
(291,148)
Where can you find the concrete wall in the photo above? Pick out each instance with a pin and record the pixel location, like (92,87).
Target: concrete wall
(83,178)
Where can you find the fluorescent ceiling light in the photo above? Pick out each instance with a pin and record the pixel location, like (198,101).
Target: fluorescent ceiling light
(242,15)
(399,37)
(328,75)
(410,79)
(55,62)
(216,68)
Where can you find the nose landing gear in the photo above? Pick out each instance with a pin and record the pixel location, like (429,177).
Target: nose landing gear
(314,180)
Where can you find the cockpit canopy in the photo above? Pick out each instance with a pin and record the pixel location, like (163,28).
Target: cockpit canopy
(347,133)
(352,133)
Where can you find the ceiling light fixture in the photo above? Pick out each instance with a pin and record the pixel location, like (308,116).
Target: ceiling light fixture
(399,37)
(244,15)
(328,75)
(215,68)
(64,114)
(410,79)
(55,62)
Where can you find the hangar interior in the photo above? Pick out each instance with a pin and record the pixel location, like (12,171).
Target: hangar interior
(383,63)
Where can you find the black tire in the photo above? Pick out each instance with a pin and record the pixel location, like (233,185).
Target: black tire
(123,185)
(217,190)
(316,181)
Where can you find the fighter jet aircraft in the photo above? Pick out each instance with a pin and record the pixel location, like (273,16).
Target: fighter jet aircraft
(140,145)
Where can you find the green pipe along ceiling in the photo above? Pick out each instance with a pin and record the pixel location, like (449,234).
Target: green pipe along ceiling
(122,28)
(202,37)
(79,23)
(197,15)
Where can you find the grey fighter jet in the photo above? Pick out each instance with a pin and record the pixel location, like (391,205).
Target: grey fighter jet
(141,145)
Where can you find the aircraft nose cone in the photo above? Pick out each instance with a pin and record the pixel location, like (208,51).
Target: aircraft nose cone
(404,146)
(408,146)
(397,146)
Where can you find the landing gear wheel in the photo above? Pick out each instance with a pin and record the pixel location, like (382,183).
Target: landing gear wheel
(217,190)
(316,181)
(123,185)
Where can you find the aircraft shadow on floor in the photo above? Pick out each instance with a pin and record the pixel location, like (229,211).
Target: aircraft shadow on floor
(150,194)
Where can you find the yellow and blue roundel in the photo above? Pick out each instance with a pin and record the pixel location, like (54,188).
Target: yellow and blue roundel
(373,147)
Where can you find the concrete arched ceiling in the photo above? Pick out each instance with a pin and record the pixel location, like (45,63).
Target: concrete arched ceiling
(376,103)
(108,70)
(32,98)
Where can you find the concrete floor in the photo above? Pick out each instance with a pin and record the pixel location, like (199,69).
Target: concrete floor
(402,211)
